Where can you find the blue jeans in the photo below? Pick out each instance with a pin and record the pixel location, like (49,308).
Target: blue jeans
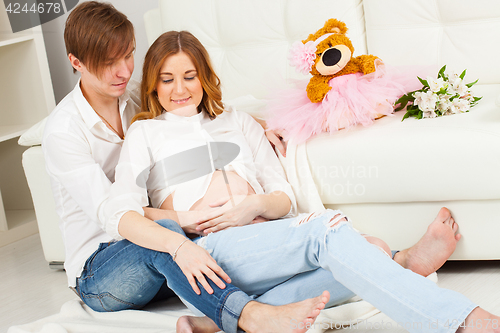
(122,275)
(303,260)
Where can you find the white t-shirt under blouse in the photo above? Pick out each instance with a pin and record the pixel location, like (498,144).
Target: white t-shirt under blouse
(149,143)
(81,153)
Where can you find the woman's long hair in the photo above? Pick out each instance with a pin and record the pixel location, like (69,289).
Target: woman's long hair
(168,44)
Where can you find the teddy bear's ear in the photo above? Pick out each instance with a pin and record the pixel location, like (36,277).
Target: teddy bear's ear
(334,26)
(331,26)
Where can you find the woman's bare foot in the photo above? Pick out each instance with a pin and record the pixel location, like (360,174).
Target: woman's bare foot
(480,320)
(291,318)
(434,248)
(191,324)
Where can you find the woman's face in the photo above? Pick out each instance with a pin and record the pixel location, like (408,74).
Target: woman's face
(179,85)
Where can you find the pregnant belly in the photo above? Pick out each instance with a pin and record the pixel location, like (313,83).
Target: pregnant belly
(217,190)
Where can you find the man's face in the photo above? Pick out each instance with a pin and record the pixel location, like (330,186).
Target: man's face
(111,82)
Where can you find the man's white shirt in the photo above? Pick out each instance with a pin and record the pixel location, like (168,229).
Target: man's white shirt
(81,154)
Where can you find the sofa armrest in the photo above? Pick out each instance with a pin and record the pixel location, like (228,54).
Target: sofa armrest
(43,201)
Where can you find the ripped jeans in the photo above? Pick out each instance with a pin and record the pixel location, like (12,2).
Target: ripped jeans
(284,261)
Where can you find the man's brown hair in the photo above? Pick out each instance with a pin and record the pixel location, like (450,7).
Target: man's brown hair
(97,34)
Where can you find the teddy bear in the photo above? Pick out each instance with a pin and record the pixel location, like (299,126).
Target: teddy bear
(343,91)
(333,58)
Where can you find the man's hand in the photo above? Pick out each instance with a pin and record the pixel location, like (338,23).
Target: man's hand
(276,140)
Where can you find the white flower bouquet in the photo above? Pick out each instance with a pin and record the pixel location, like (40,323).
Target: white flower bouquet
(443,96)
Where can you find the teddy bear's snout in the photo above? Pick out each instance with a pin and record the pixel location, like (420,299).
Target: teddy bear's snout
(333,60)
(331,57)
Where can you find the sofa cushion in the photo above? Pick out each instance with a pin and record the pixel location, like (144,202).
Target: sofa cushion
(248,104)
(439,159)
(33,136)
(462,34)
(249,41)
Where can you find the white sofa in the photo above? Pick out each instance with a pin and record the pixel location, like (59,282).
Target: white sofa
(391,178)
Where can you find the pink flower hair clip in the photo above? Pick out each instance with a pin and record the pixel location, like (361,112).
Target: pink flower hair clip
(302,55)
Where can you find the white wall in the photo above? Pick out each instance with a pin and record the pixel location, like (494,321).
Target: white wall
(63,78)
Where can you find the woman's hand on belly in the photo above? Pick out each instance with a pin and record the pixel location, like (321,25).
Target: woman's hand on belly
(236,211)
(189,220)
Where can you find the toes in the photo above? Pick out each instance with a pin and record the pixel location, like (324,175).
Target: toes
(308,322)
(445,212)
(326,296)
(444,215)
(450,221)
(320,307)
(455,230)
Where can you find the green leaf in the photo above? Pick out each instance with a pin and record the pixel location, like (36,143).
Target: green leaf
(441,72)
(424,82)
(407,115)
(403,101)
(463,74)
(442,91)
(471,84)
(411,111)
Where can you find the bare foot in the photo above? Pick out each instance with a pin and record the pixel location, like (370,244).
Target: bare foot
(291,318)
(191,324)
(480,320)
(434,248)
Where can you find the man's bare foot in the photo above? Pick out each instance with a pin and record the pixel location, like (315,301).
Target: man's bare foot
(480,320)
(191,324)
(291,318)
(434,248)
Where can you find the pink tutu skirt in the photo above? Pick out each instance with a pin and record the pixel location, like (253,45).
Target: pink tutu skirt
(354,99)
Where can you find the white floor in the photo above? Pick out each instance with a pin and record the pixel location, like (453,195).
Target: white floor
(30,290)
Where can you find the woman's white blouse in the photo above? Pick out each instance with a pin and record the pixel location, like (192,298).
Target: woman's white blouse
(149,149)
